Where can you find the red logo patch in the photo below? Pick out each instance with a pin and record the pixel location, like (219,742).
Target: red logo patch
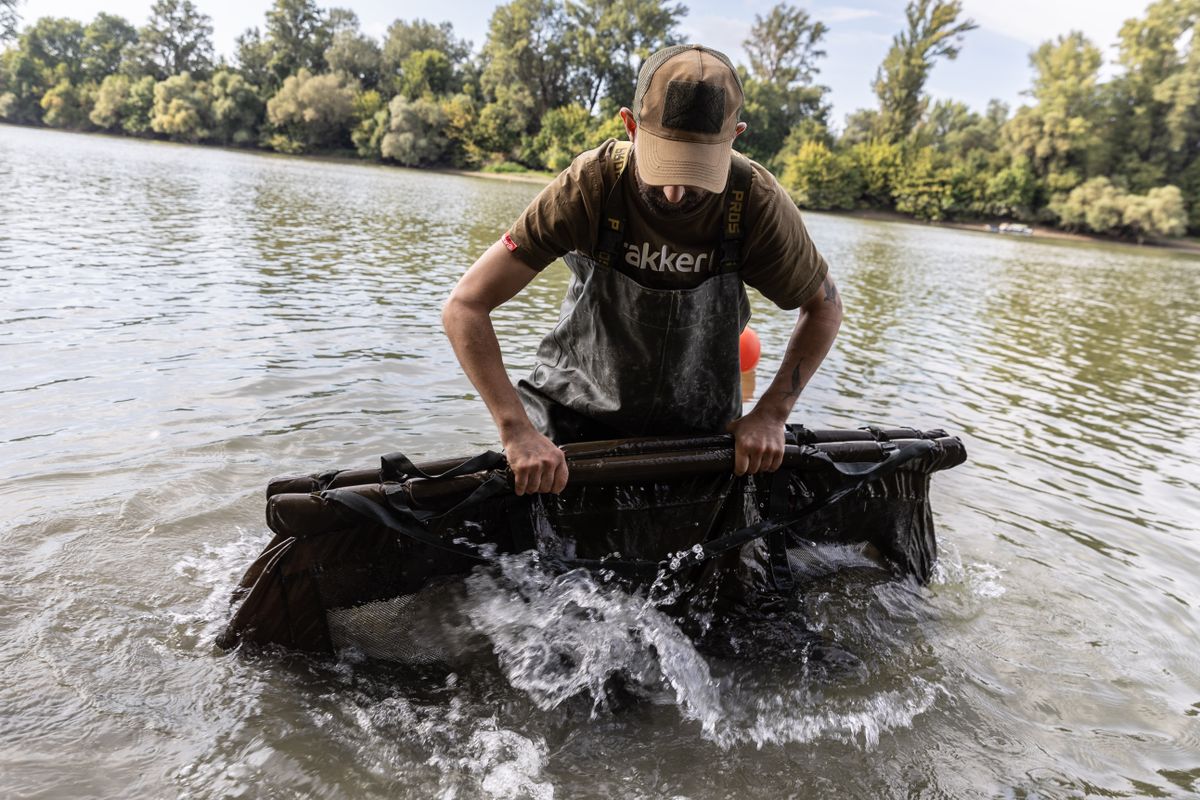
(509,243)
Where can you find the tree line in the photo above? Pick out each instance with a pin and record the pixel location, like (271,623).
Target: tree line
(1118,156)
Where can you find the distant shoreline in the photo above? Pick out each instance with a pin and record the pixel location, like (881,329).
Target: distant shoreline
(1184,245)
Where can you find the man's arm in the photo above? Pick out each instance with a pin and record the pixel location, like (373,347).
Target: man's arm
(759,436)
(537,464)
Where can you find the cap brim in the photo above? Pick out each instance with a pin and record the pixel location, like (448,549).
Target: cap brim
(665,162)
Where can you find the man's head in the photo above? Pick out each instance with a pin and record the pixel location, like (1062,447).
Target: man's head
(684,120)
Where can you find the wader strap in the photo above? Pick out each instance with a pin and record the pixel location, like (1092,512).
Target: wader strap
(777,557)
(612,226)
(398,467)
(733,225)
(415,524)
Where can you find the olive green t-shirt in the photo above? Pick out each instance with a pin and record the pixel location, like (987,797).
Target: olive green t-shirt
(778,257)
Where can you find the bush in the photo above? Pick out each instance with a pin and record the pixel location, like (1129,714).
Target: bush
(312,111)
(817,177)
(416,132)
(182,109)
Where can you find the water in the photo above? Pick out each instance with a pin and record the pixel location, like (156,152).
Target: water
(179,324)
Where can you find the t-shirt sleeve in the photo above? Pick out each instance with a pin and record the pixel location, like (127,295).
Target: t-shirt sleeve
(562,218)
(780,260)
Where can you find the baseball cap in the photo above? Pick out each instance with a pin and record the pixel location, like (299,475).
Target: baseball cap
(686,107)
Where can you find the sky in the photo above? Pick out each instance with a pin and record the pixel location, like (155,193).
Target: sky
(994,62)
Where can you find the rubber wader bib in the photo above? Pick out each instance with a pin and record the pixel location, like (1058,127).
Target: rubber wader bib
(629,360)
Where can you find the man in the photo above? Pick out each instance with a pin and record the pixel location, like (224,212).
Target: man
(660,242)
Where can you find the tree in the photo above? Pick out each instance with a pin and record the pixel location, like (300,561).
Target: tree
(415,132)
(109,109)
(177,39)
(139,107)
(55,46)
(933,32)
(784,46)
(426,72)
(356,55)
(9,19)
(817,177)
(182,110)
(297,38)
(372,114)
(312,111)
(66,106)
(107,42)
(1155,101)
(1059,134)
(253,57)
(237,111)
(607,41)
(405,38)
(527,50)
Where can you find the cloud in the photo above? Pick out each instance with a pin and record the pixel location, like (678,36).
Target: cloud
(835,14)
(1036,21)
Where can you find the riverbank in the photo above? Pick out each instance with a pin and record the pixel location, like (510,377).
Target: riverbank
(1187,244)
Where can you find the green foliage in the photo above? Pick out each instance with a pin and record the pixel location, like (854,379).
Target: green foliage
(405,38)
(312,111)
(923,188)
(253,57)
(606,43)
(1058,135)
(817,177)
(8,23)
(416,132)
(66,106)
(297,36)
(933,32)
(1011,192)
(565,133)
(783,46)
(527,67)
(111,99)
(237,111)
(879,165)
(371,114)
(177,39)
(426,72)
(55,46)
(181,109)
(108,42)
(356,55)
(139,106)
(1099,206)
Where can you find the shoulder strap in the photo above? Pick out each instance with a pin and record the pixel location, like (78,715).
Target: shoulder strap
(612,224)
(733,226)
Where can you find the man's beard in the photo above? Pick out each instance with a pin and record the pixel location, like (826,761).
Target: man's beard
(653,196)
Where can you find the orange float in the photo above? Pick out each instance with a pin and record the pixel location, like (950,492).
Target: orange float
(749,349)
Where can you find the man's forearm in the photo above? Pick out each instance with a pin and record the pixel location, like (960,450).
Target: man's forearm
(810,342)
(473,338)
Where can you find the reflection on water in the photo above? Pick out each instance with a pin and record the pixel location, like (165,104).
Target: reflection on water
(179,324)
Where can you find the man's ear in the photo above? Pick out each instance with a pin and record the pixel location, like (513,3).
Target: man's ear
(737,131)
(630,123)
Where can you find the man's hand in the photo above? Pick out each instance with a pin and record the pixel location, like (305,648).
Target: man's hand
(537,464)
(757,443)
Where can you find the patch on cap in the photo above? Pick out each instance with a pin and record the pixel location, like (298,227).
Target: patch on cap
(694,107)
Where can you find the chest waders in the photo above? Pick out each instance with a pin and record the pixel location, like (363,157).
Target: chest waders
(630,360)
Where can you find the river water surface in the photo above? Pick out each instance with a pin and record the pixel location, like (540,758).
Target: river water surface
(179,324)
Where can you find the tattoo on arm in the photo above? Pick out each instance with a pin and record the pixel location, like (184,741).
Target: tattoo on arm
(831,292)
(794,390)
